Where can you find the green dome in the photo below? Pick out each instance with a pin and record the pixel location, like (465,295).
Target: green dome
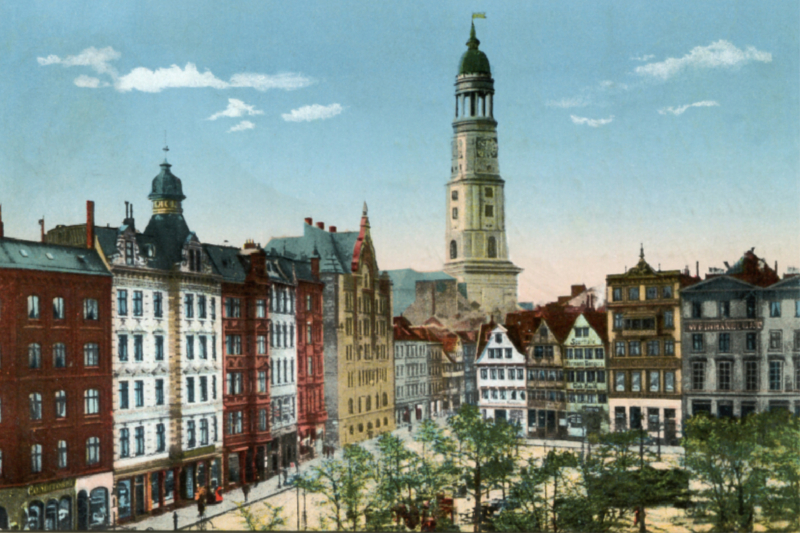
(166,186)
(474,61)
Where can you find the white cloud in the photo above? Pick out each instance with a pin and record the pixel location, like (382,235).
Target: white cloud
(646,57)
(153,81)
(242,126)
(680,110)
(312,112)
(566,103)
(592,122)
(236,108)
(720,54)
(88,82)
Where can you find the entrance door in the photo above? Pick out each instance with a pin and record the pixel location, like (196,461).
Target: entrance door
(636,418)
(83,510)
(138,495)
(260,459)
(249,465)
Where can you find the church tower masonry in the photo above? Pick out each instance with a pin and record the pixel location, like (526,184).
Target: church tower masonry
(477,250)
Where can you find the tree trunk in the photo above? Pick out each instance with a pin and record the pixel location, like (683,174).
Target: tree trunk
(477,514)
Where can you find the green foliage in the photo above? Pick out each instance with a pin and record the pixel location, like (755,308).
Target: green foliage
(271,521)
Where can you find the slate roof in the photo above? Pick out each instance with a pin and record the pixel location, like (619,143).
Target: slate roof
(168,233)
(335,249)
(31,255)
(404,286)
(227,262)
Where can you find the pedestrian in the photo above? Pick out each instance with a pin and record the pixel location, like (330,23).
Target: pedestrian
(175,520)
(246,491)
(201,507)
(636,515)
(258,476)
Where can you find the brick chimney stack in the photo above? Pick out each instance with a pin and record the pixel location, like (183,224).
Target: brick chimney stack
(309,221)
(321,225)
(89,224)
(332,229)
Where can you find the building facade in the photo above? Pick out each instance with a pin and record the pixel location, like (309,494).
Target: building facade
(357,330)
(501,377)
(56,439)
(644,334)
(585,351)
(475,235)
(412,379)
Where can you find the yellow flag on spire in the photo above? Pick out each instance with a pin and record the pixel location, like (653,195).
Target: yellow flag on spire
(478,16)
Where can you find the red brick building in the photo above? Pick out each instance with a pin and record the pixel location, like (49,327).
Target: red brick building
(56,443)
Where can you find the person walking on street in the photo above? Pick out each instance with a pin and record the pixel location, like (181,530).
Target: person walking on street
(246,491)
(175,520)
(201,507)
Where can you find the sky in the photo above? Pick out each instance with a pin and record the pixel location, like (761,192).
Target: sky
(672,125)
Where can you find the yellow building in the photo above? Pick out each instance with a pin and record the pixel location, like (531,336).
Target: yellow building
(357,331)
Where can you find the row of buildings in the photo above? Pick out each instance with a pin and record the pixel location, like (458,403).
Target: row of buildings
(665,346)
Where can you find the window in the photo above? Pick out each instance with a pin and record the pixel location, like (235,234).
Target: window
(725,309)
(751,307)
(488,192)
(91,402)
(309,334)
(232,308)
(138,393)
(34,356)
(122,302)
(751,375)
(262,419)
(139,438)
(633,293)
(201,306)
(138,348)
(122,347)
(35,404)
(453,250)
(190,347)
(203,432)
(59,355)
(124,442)
(618,320)
(724,375)
(775,340)
(454,195)
(61,451)
(235,423)
(455,213)
(128,252)
(58,308)
(653,348)
(233,344)
(669,381)
(36,458)
(491,247)
(91,355)
(698,375)
(724,342)
(261,307)
(262,381)
(159,392)
(123,394)
(190,390)
(90,309)
(138,304)
(636,381)
(655,381)
(235,382)
(159,347)
(669,319)
(161,438)
(666,291)
(797,308)
(616,294)
(213,387)
(619,380)
(191,435)
(669,347)
(203,388)
(61,404)
(488,210)
(188,305)
(775,375)
(158,304)
(775,309)
(213,308)
(651,293)
(697,342)
(619,348)
(33,307)
(634,348)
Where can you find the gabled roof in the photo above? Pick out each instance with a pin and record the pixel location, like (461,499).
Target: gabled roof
(560,321)
(226,262)
(719,283)
(336,250)
(32,255)
(483,336)
(599,323)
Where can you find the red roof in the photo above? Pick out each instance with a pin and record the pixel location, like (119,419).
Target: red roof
(599,323)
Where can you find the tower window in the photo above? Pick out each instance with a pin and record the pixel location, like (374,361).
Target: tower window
(455,213)
(491,248)
(489,210)
(453,250)
(454,195)
(489,192)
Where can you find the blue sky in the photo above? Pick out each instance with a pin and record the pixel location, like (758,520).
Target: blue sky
(672,124)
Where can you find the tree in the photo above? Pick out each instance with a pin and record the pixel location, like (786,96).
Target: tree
(723,456)
(436,468)
(397,477)
(480,442)
(271,521)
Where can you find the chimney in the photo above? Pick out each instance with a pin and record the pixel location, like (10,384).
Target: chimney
(249,244)
(577,289)
(321,225)
(2,234)
(309,221)
(697,269)
(89,224)
(332,229)
(41,226)
(315,265)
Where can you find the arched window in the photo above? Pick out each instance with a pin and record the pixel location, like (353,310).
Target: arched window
(61,404)
(453,250)
(51,515)
(491,247)
(92,450)
(65,513)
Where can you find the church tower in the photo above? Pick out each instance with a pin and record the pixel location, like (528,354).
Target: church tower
(477,250)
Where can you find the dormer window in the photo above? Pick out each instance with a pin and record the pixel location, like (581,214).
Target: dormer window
(194,260)
(128,252)
(498,337)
